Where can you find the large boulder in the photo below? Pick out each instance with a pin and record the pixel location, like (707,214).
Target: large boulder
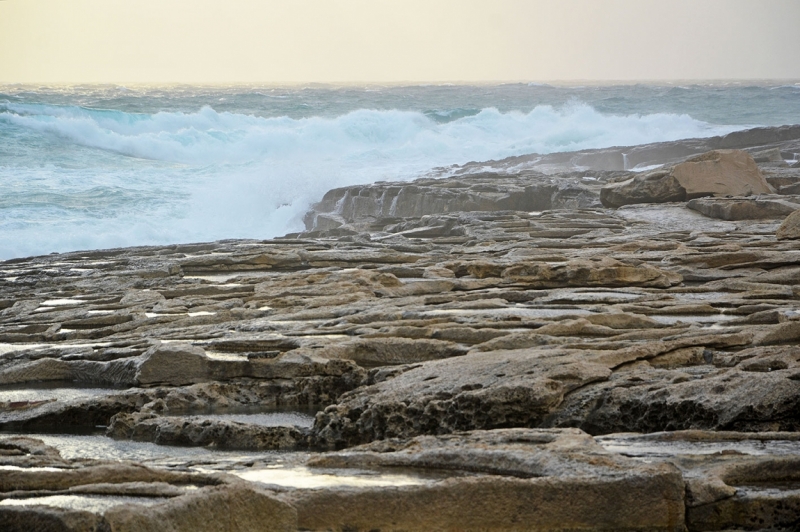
(652,187)
(790,228)
(721,173)
(715,173)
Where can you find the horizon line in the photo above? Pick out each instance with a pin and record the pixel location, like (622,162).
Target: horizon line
(570,81)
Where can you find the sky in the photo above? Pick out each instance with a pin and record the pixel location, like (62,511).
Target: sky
(385,41)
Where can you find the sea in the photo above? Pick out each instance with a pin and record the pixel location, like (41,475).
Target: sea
(103,166)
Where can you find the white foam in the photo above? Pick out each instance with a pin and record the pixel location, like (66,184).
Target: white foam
(134,179)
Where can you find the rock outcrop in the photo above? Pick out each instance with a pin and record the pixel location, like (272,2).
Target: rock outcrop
(531,191)
(548,480)
(758,208)
(720,173)
(716,173)
(790,228)
(503,352)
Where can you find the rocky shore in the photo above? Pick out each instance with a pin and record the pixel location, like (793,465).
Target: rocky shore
(567,342)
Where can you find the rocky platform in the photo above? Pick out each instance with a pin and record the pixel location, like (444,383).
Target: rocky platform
(492,351)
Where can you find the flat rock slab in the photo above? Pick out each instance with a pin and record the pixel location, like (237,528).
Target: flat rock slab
(531,479)
(92,495)
(646,387)
(754,208)
(734,480)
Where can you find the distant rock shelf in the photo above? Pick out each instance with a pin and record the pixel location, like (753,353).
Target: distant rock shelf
(550,343)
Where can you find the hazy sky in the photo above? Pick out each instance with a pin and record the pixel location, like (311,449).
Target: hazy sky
(396,40)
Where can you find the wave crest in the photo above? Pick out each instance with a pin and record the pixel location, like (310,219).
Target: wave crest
(228,175)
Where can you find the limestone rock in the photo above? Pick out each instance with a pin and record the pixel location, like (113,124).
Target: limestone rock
(772,156)
(653,187)
(756,392)
(720,173)
(762,207)
(476,192)
(48,519)
(715,173)
(539,480)
(390,351)
(747,484)
(173,364)
(599,272)
(228,508)
(790,228)
(221,434)
(574,317)
(479,390)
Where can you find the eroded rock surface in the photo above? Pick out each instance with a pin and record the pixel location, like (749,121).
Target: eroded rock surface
(549,480)
(491,318)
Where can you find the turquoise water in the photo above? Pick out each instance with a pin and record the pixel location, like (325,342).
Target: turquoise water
(108,166)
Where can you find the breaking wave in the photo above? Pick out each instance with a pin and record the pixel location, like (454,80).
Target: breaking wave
(207,175)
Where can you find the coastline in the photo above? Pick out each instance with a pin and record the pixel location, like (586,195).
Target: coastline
(491,350)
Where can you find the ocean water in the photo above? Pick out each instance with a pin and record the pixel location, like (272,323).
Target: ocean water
(88,167)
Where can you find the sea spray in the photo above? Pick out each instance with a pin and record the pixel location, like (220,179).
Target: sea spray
(82,169)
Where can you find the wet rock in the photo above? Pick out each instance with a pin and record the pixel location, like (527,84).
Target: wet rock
(390,351)
(120,372)
(532,191)
(175,500)
(734,480)
(549,480)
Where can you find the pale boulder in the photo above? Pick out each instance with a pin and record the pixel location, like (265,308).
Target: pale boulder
(721,173)
(715,173)
(790,228)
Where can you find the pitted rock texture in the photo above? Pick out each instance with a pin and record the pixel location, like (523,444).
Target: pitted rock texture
(520,316)
(611,321)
